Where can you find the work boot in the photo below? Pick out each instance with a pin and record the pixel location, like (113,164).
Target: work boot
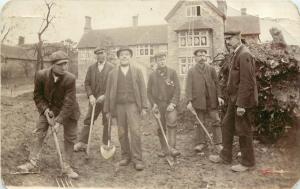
(199,147)
(174,152)
(240,168)
(124,162)
(70,172)
(139,166)
(80,146)
(28,166)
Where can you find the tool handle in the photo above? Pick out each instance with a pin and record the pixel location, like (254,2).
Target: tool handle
(90,132)
(57,147)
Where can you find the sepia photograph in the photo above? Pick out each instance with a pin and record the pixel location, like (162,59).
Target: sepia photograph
(150,94)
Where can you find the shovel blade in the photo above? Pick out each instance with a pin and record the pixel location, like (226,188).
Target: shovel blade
(107,152)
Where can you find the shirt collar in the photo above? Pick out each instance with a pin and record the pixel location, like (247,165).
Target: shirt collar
(236,49)
(101,64)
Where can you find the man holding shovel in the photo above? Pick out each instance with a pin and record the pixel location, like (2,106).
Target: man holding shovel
(55,97)
(203,96)
(126,100)
(163,93)
(95,86)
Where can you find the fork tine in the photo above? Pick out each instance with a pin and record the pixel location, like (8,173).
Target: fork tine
(57,182)
(67,181)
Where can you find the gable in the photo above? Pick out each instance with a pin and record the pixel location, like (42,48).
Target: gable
(181,3)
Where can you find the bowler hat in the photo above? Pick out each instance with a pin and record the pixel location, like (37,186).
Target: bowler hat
(124,49)
(199,50)
(59,57)
(99,50)
(229,34)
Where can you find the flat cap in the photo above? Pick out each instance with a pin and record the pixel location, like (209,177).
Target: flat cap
(99,50)
(199,50)
(59,57)
(125,48)
(229,34)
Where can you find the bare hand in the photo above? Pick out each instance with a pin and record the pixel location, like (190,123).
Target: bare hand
(190,107)
(221,101)
(171,107)
(240,111)
(49,113)
(100,99)
(57,126)
(143,112)
(92,100)
(155,108)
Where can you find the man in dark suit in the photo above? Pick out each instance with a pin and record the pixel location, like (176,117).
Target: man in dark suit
(243,97)
(55,95)
(95,86)
(164,93)
(126,100)
(203,95)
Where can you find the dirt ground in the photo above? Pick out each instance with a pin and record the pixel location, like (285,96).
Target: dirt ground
(193,171)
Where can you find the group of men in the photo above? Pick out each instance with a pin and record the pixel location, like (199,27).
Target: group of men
(120,92)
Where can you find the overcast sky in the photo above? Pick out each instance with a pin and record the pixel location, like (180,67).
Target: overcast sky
(118,13)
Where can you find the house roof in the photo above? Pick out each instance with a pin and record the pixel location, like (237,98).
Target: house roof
(196,24)
(180,2)
(247,24)
(15,52)
(154,34)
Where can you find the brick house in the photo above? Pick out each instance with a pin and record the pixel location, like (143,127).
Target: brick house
(193,25)
(145,41)
(190,25)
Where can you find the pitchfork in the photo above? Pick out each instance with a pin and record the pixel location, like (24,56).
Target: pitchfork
(62,180)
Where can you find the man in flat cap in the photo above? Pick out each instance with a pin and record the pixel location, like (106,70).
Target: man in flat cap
(126,100)
(243,97)
(95,87)
(204,96)
(55,96)
(164,93)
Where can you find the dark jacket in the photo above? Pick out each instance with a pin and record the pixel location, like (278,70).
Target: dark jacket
(60,97)
(241,86)
(92,87)
(111,89)
(163,89)
(195,87)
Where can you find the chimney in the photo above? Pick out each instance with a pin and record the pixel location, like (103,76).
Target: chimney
(135,20)
(243,11)
(21,40)
(222,6)
(88,24)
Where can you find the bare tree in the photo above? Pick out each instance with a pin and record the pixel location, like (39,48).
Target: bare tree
(45,24)
(5,30)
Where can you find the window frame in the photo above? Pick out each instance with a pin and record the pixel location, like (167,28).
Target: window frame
(192,11)
(147,49)
(201,34)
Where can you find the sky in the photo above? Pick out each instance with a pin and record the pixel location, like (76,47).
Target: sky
(112,14)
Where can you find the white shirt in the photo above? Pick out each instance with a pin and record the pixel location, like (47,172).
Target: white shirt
(55,78)
(124,69)
(101,66)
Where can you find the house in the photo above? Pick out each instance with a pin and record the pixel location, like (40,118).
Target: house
(190,25)
(19,62)
(249,26)
(145,41)
(194,25)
